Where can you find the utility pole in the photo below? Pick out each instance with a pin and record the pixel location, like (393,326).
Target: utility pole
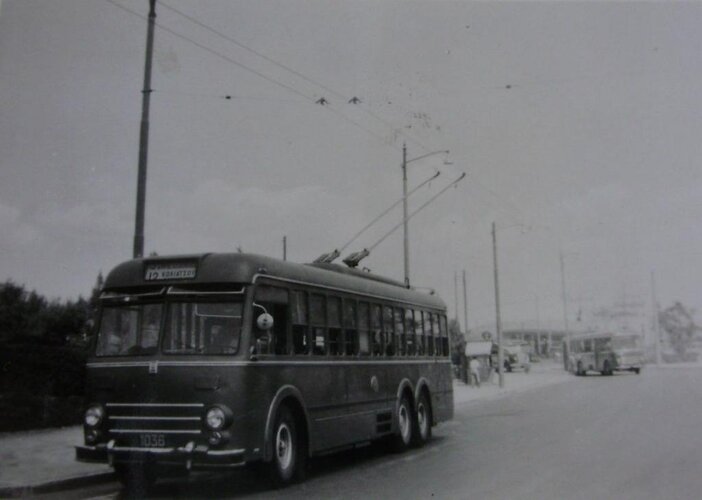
(465,303)
(455,294)
(285,248)
(500,353)
(656,321)
(144,136)
(404,213)
(405,218)
(565,313)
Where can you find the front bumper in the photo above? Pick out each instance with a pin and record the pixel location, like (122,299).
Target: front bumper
(190,456)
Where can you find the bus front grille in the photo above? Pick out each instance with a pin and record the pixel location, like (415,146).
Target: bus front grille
(128,423)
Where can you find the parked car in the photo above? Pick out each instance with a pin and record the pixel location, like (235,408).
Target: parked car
(516,357)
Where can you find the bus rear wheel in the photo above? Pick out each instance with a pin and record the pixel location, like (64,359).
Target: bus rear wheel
(402,440)
(423,421)
(288,461)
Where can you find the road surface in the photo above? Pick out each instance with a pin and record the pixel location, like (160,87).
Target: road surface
(621,437)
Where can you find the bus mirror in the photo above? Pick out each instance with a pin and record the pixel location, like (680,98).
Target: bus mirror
(264,321)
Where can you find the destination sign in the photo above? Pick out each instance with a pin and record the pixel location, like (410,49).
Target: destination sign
(174,271)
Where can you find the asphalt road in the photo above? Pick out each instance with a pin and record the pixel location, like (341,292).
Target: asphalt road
(620,437)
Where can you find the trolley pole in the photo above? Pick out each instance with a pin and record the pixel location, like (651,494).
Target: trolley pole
(500,353)
(144,136)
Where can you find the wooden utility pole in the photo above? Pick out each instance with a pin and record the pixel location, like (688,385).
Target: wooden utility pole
(144,136)
(465,303)
(500,352)
(565,312)
(656,320)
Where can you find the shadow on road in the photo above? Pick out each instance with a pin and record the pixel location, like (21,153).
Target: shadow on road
(250,480)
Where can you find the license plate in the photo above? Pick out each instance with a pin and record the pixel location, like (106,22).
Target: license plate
(152,440)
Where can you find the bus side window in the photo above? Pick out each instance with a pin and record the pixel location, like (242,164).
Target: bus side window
(428,341)
(436,339)
(318,322)
(275,301)
(419,331)
(409,331)
(400,331)
(376,327)
(363,328)
(350,327)
(334,322)
(388,331)
(299,323)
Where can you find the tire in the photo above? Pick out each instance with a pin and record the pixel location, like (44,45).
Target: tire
(288,463)
(404,416)
(606,369)
(422,421)
(580,371)
(137,479)
(637,370)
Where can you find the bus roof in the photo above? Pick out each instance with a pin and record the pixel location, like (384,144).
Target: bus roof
(241,268)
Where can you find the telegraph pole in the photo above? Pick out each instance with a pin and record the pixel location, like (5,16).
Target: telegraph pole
(455,294)
(565,312)
(144,136)
(656,321)
(404,213)
(465,303)
(285,248)
(500,353)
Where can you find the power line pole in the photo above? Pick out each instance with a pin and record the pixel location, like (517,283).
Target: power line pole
(500,353)
(404,213)
(656,321)
(565,312)
(285,248)
(465,303)
(455,295)
(144,136)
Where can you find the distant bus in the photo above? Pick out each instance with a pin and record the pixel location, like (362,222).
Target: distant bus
(606,353)
(219,360)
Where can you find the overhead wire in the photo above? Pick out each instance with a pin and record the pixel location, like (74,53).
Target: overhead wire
(251,70)
(387,210)
(291,70)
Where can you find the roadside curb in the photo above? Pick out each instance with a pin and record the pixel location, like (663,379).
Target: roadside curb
(57,485)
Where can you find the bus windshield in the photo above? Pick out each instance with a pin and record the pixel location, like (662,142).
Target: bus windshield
(203,328)
(629,342)
(128,330)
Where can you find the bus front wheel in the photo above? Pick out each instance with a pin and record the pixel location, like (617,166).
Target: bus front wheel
(403,438)
(288,454)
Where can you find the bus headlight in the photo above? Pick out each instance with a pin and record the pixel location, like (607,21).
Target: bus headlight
(217,418)
(94,416)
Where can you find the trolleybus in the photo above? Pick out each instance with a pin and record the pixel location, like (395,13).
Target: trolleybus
(606,353)
(220,360)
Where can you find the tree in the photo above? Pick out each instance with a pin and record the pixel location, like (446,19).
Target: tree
(678,322)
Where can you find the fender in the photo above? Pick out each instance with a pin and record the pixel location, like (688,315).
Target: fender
(280,395)
(405,382)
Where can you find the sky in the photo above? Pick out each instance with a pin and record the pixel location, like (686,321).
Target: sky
(578,125)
